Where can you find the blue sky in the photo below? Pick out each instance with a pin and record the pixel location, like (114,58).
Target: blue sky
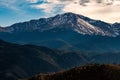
(14,11)
(17,11)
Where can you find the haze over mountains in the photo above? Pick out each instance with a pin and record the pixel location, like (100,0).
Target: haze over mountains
(66,31)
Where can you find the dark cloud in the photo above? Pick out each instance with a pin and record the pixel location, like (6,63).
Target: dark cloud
(82,2)
(99,1)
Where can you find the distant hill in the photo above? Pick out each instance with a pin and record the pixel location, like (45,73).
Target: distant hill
(20,61)
(88,72)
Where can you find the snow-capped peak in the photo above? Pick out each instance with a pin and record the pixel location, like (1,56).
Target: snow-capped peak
(75,22)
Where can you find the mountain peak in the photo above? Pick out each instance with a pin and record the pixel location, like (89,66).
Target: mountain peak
(69,14)
(71,21)
(74,14)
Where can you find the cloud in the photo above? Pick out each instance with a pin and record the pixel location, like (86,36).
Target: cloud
(14,5)
(33,1)
(100,9)
(49,7)
(8,4)
(106,10)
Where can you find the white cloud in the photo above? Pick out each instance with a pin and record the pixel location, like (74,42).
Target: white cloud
(33,1)
(9,4)
(106,11)
(48,8)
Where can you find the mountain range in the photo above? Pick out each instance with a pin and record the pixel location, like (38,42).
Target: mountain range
(69,40)
(23,61)
(67,21)
(66,31)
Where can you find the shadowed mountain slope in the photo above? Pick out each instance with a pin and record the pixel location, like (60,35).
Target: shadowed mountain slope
(19,61)
(89,72)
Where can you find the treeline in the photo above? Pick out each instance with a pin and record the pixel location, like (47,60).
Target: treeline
(88,72)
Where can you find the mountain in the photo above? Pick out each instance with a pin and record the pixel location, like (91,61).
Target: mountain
(66,31)
(106,58)
(75,22)
(20,61)
(88,72)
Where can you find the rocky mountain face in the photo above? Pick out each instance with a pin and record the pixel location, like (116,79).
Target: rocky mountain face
(75,22)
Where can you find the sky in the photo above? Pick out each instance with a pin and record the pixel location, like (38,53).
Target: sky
(14,11)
